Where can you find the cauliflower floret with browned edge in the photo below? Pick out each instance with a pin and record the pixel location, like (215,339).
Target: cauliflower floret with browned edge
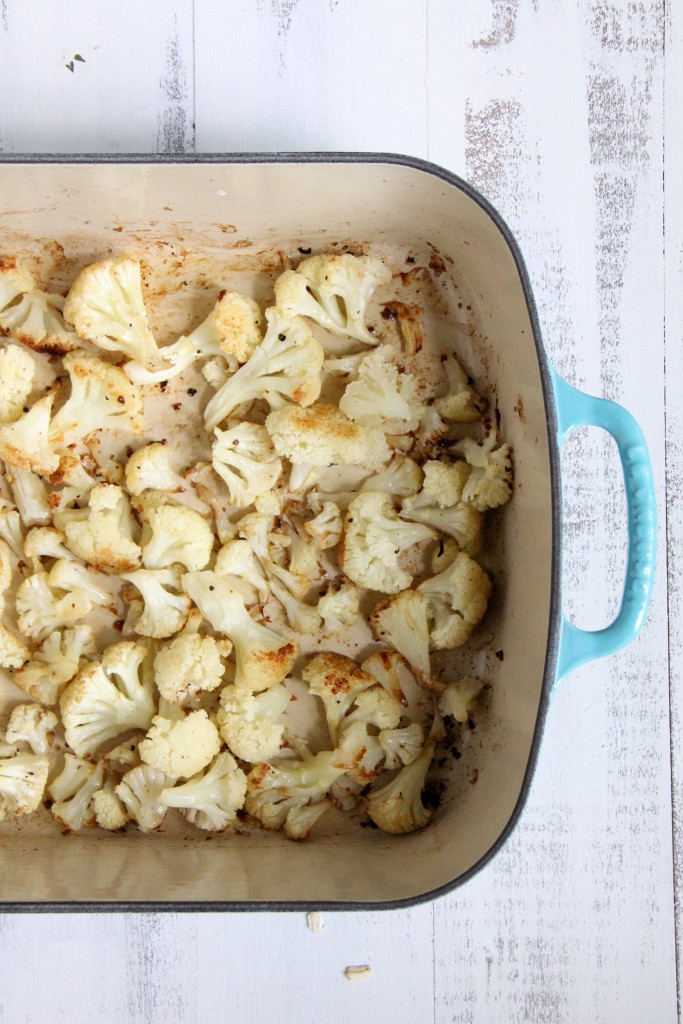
(458,598)
(211,800)
(190,664)
(149,468)
(102,534)
(251,724)
(30,315)
(382,395)
(73,791)
(402,623)
(102,398)
(17,370)
(44,542)
(340,684)
(172,535)
(106,306)
(285,366)
(373,540)
(140,791)
(30,494)
(25,442)
(397,806)
(54,663)
(334,291)
(22,783)
(13,652)
(326,527)
(401,746)
(42,609)
(489,483)
(183,747)
(245,459)
(322,436)
(392,671)
(32,724)
(263,657)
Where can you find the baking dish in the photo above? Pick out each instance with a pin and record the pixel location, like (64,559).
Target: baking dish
(231,217)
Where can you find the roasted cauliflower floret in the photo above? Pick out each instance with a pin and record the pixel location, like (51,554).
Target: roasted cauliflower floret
(322,436)
(183,747)
(339,609)
(42,609)
(250,723)
(17,370)
(434,506)
(102,398)
(397,806)
(402,622)
(32,724)
(334,291)
(462,403)
(245,459)
(286,365)
(140,792)
(489,483)
(54,663)
(190,664)
(149,469)
(30,315)
(373,540)
(13,652)
(22,783)
(107,308)
(73,791)
(459,698)
(458,599)
(263,657)
(164,612)
(108,698)
(110,811)
(174,535)
(30,495)
(211,801)
(349,694)
(102,534)
(382,395)
(25,442)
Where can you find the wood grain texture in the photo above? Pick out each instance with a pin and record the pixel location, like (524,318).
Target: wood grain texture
(557,112)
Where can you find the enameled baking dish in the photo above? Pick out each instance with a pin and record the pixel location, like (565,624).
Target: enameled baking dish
(228,219)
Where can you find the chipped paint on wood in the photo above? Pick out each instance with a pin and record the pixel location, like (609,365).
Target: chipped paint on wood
(176,128)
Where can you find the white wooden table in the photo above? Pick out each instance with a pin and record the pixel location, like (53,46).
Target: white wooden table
(556,110)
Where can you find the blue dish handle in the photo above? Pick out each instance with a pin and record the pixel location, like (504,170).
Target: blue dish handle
(576,409)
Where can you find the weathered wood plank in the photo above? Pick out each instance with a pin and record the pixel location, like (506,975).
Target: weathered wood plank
(133,91)
(562,130)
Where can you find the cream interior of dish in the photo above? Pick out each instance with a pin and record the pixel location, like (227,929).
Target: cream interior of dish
(198,229)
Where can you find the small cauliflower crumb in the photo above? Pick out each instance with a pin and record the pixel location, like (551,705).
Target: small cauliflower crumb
(314,922)
(358,973)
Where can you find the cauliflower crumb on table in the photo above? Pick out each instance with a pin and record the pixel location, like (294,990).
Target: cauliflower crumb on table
(156,613)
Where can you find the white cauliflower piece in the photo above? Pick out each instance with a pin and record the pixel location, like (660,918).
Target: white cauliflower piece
(286,365)
(164,613)
(373,540)
(301,616)
(401,746)
(391,670)
(102,398)
(245,459)
(459,698)
(73,792)
(383,395)
(71,576)
(110,811)
(11,531)
(402,477)
(190,664)
(17,370)
(322,436)
(78,484)
(402,622)
(30,495)
(263,657)
(434,506)
(102,534)
(140,792)
(326,527)
(149,469)
(211,801)
(458,599)
(5,566)
(25,442)
(32,724)
(397,806)
(339,609)
(249,723)
(334,291)
(108,698)
(237,559)
(22,783)
(181,748)
(13,653)
(30,315)
(340,684)
(42,610)
(54,663)
(107,308)
(462,403)
(442,487)
(173,535)
(489,484)
(44,542)
(229,335)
